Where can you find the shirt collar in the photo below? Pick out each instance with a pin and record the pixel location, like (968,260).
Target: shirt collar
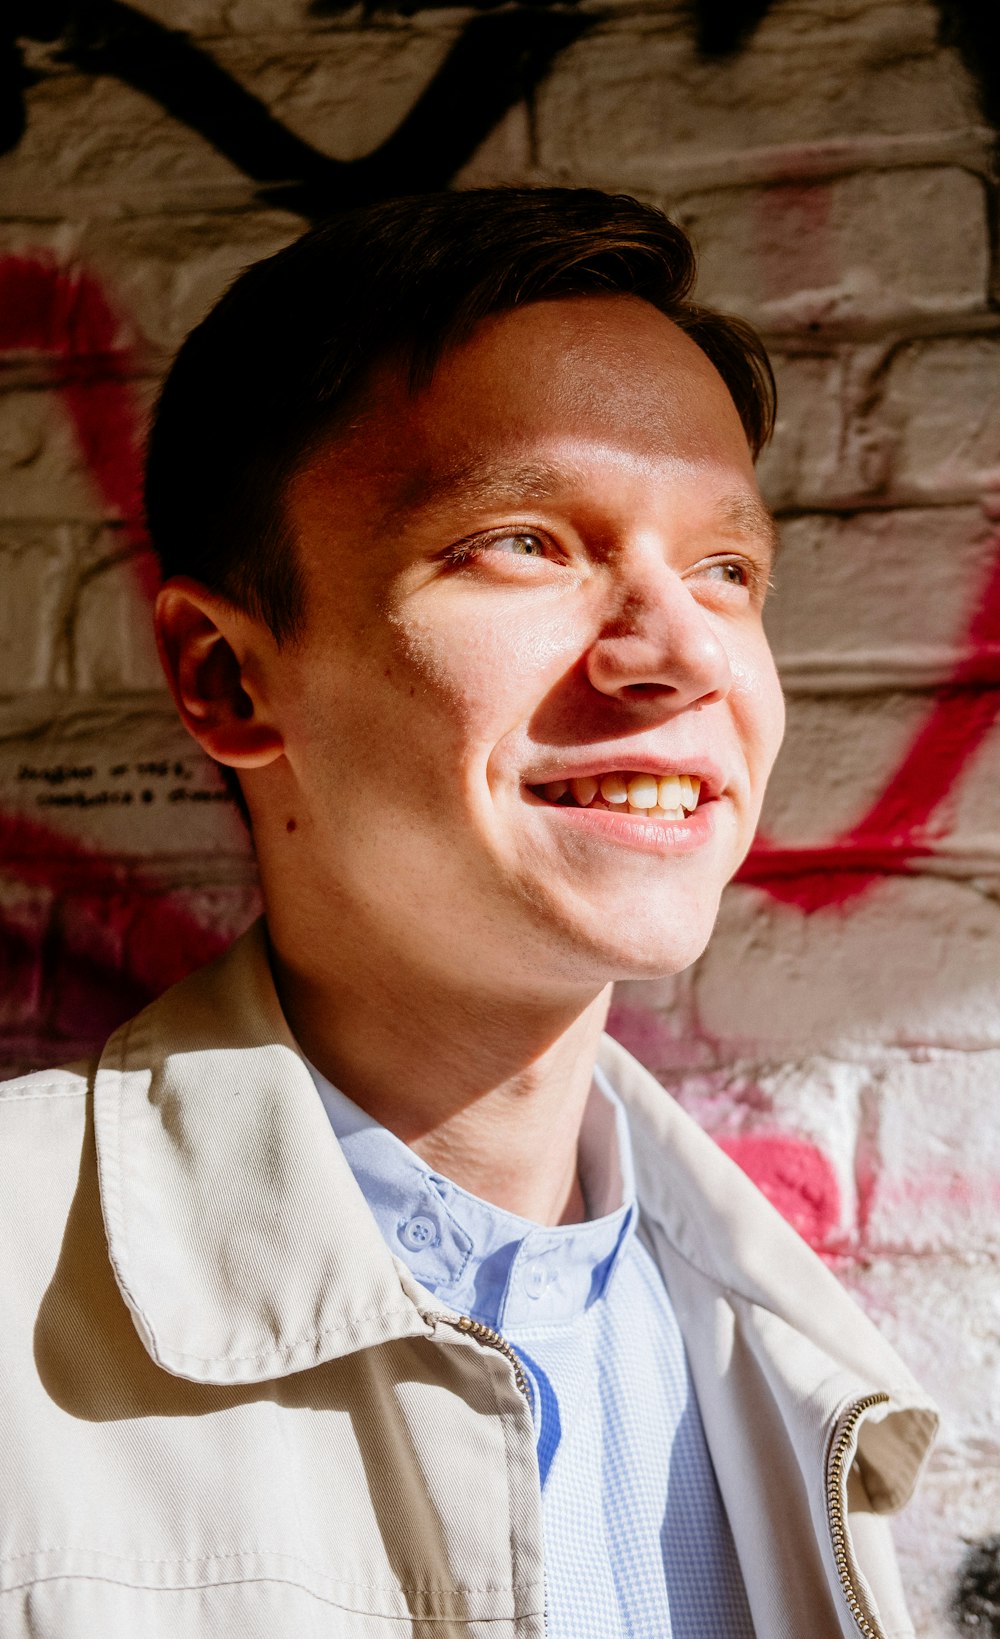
(497,1267)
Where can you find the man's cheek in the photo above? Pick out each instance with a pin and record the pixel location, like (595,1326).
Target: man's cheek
(757,700)
(494,668)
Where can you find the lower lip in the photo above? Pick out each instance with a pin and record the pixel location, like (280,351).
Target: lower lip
(653,836)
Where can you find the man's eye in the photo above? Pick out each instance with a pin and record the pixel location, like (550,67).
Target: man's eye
(514,543)
(520,545)
(731,571)
(736,574)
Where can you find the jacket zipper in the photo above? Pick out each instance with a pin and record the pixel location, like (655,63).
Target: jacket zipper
(836,1489)
(493,1340)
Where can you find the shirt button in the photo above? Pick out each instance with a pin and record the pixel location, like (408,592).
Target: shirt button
(535,1280)
(418,1233)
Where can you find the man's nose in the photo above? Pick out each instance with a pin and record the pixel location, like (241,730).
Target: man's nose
(659,644)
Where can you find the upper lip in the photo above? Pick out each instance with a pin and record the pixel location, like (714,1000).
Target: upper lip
(636,762)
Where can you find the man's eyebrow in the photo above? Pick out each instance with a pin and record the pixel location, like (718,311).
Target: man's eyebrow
(749,515)
(485,484)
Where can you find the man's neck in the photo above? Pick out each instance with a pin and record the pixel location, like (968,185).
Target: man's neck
(489,1093)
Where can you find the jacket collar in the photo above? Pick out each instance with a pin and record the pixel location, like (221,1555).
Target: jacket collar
(238,1237)
(245,1249)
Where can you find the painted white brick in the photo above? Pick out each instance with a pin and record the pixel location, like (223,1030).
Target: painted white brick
(113,650)
(943,1316)
(50,252)
(934,430)
(656,1020)
(930,1161)
(634,101)
(35,574)
(867,250)
(911,579)
(93,951)
(343,91)
(805,463)
(100,139)
(814,1104)
(223,910)
(166,272)
(839,754)
(871,1032)
(209,18)
(44,475)
(912,963)
(973,834)
(842,752)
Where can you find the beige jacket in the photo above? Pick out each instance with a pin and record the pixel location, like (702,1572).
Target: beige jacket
(229,1411)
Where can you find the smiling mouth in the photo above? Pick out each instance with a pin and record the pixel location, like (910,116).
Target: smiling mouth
(647,796)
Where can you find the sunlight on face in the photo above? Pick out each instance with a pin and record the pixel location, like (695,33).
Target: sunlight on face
(544,572)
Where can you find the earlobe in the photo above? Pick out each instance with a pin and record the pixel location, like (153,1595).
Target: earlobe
(204,645)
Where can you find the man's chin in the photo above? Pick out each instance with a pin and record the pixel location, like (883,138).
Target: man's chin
(644,942)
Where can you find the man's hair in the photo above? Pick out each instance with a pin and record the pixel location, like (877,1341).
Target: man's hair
(274,367)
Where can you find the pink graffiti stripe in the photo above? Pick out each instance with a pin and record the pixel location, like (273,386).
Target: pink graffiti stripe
(797,1178)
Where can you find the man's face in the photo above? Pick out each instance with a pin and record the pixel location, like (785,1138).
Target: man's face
(548,566)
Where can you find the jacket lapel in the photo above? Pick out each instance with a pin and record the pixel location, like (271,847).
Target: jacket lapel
(779,1355)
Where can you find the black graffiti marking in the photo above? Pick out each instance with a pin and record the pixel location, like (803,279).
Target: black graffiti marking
(722,27)
(725,26)
(56,773)
(974,27)
(977,1595)
(501,56)
(497,60)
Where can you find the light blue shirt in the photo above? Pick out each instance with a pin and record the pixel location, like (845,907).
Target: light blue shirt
(636,1539)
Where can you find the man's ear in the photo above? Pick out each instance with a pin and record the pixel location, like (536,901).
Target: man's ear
(211,653)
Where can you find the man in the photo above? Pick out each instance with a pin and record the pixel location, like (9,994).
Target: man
(362,1287)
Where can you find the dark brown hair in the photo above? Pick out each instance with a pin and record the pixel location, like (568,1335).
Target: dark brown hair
(287,350)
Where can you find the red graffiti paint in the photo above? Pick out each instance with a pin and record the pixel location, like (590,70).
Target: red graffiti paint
(795,250)
(796,1177)
(897,831)
(66,315)
(114,940)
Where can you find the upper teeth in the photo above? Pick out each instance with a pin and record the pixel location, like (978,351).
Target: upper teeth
(637,791)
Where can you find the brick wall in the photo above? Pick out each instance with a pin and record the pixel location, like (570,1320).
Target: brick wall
(842,1035)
